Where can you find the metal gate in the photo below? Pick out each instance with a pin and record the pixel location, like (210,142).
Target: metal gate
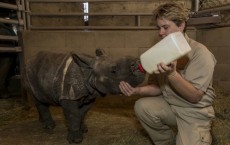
(17,22)
(11,25)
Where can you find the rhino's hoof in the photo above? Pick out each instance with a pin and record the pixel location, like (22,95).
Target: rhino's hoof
(75,137)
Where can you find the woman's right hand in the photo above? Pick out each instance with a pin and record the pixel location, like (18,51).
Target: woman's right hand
(127,89)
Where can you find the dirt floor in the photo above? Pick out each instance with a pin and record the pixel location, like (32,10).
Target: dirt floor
(111,121)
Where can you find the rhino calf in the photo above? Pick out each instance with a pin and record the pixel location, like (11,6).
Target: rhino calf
(73,81)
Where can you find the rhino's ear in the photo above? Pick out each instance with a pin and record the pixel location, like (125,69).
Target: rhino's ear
(100,52)
(84,61)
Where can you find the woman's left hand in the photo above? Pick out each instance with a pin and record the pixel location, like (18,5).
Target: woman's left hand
(166,69)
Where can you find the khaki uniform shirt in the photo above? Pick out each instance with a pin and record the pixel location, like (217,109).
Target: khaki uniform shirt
(198,71)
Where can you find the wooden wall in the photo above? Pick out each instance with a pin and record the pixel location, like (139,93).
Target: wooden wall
(218,42)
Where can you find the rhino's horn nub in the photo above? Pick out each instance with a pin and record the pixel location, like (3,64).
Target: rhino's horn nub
(99,52)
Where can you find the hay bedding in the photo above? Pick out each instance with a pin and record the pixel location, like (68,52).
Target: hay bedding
(221,125)
(111,121)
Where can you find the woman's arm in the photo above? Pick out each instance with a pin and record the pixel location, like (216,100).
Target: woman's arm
(148,90)
(182,86)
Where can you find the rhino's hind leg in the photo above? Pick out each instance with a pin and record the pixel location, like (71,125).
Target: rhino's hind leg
(73,117)
(44,115)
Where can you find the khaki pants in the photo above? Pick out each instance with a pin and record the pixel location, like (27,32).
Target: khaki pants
(157,117)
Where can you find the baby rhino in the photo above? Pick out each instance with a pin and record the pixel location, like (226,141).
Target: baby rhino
(73,81)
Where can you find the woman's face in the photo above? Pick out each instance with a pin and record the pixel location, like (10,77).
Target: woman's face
(166,27)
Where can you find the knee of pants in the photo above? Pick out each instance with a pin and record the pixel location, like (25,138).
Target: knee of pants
(154,109)
(138,108)
(146,113)
(144,108)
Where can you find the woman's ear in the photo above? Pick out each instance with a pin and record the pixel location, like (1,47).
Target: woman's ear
(182,27)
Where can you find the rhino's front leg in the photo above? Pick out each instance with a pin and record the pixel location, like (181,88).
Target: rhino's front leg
(44,115)
(83,110)
(73,117)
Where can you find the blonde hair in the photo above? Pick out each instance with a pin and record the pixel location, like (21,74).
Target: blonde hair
(175,12)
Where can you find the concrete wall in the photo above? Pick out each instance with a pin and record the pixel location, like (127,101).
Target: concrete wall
(115,43)
(217,40)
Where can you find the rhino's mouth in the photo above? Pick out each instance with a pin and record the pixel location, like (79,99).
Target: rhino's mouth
(137,67)
(140,68)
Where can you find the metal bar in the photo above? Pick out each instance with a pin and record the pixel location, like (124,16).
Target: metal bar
(10,49)
(24,15)
(204,20)
(197,5)
(138,20)
(91,14)
(4,37)
(221,8)
(11,21)
(81,1)
(8,6)
(97,28)
(93,28)
(24,94)
(19,15)
(212,26)
(27,7)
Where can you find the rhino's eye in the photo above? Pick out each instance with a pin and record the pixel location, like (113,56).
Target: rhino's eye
(133,65)
(114,69)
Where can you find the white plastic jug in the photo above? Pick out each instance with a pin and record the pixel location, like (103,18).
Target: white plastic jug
(170,48)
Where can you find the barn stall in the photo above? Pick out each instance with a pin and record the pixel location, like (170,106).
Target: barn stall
(120,27)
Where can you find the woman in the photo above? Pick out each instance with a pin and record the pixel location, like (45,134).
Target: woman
(182,96)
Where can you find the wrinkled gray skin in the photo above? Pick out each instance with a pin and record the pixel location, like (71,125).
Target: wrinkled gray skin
(55,79)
